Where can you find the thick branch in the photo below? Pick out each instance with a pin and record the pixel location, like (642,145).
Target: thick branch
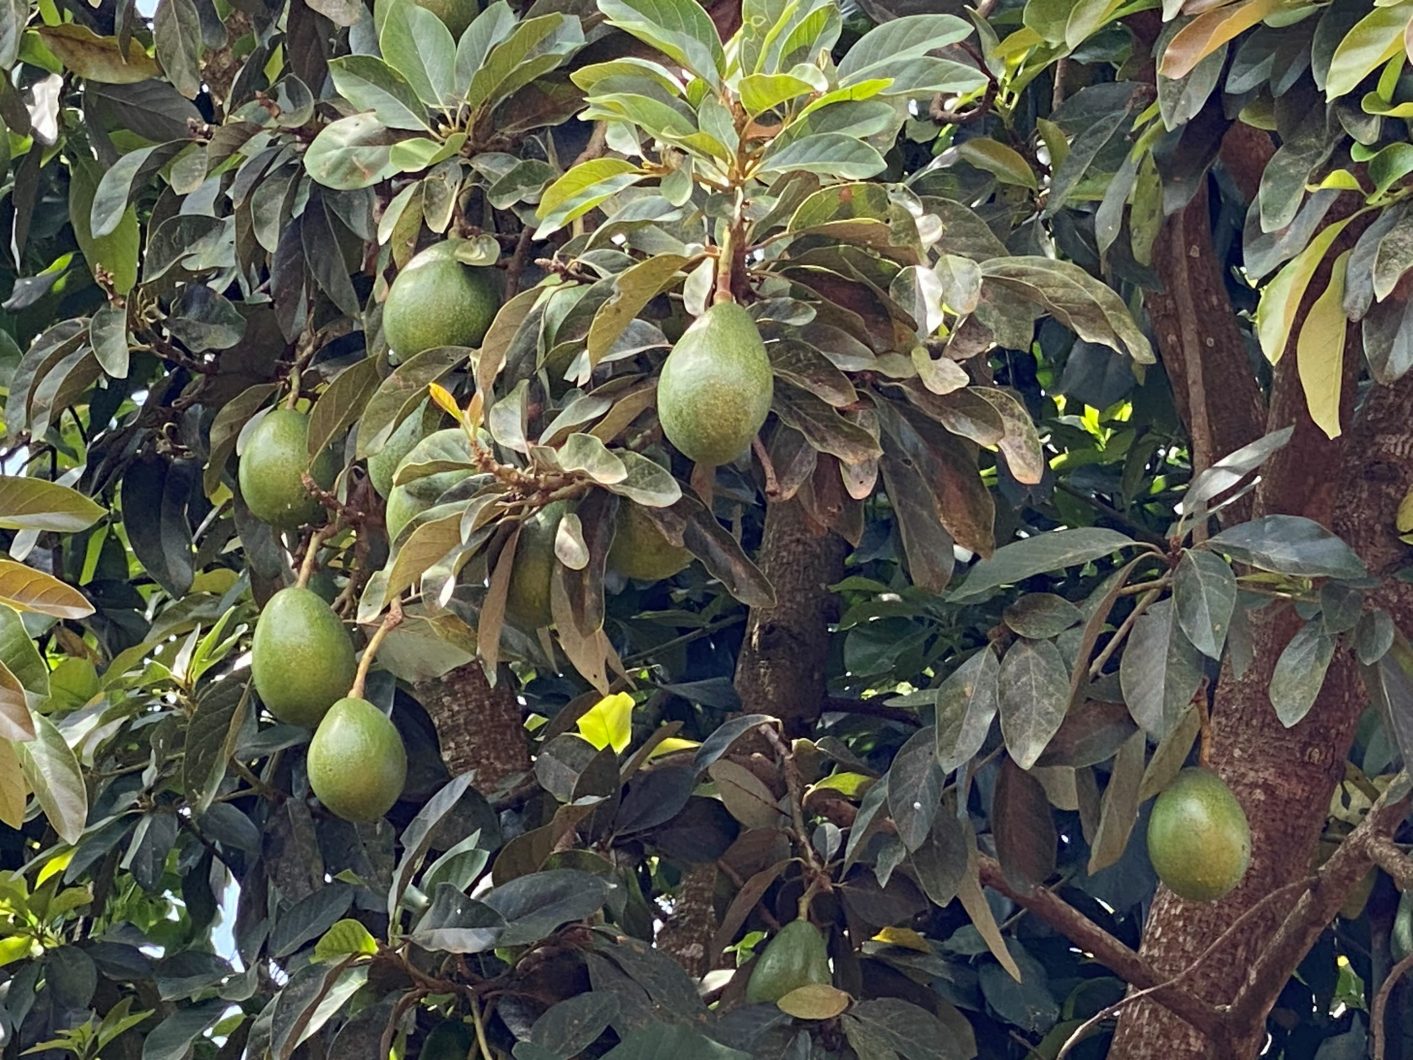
(1312,913)
(1387,856)
(480,727)
(1126,963)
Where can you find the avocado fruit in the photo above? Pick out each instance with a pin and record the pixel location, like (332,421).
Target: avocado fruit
(527,600)
(410,499)
(437,300)
(272,467)
(640,550)
(301,658)
(796,957)
(357,763)
(715,388)
(382,465)
(448,1040)
(1198,837)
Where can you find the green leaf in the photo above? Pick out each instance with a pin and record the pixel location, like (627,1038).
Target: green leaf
(344,939)
(534,906)
(20,656)
(176,32)
(1281,298)
(417,44)
(831,154)
(890,1027)
(34,504)
(1204,594)
(1006,163)
(1087,306)
(1289,544)
(882,50)
(967,702)
(1048,551)
(55,778)
(353,152)
(1375,39)
(680,29)
(1159,671)
(98,58)
(109,208)
(172,1038)
(108,334)
(763,92)
(1319,352)
(1300,672)
(16,721)
(534,48)
(1034,695)
(633,289)
(915,788)
(1119,810)
(372,85)
(663,1041)
(115,251)
(581,189)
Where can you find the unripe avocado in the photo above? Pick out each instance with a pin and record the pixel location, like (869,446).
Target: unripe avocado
(272,467)
(796,957)
(449,1040)
(1198,837)
(528,598)
(301,659)
(357,763)
(716,385)
(639,550)
(412,498)
(383,463)
(438,301)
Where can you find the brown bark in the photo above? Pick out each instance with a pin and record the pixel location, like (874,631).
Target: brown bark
(782,667)
(1284,777)
(687,935)
(480,727)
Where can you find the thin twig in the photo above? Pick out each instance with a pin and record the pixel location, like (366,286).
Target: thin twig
(306,568)
(1082,1031)
(796,794)
(516,266)
(390,622)
(1121,634)
(1377,1013)
(772,484)
(1388,856)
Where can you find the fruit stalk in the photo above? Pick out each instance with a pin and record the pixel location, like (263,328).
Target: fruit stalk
(729,250)
(311,552)
(390,622)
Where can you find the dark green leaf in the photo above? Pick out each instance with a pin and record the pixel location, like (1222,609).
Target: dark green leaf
(1204,593)
(1023,827)
(1042,615)
(1160,670)
(1050,551)
(55,778)
(680,29)
(1034,693)
(915,788)
(176,29)
(1299,673)
(535,905)
(1289,544)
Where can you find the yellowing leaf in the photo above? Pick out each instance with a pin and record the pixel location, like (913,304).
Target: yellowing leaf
(98,58)
(13,789)
(1319,352)
(850,784)
(442,396)
(1405,513)
(1374,40)
(904,938)
(814,1001)
(346,938)
(1209,31)
(1280,301)
(15,947)
(26,589)
(58,863)
(672,745)
(609,722)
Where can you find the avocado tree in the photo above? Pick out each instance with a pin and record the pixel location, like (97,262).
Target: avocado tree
(630,528)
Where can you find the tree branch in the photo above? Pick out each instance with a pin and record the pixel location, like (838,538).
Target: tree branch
(1124,962)
(1312,912)
(1389,857)
(1378,1014)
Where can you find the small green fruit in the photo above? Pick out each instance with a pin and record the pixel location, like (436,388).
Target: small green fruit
(716,385)
(410,499)
(383,464)
(639,550)
(1198,837)
(796,957)
(357,763)
(438,301)
(272,467)
(449,1040)
(301,659)
(528,597)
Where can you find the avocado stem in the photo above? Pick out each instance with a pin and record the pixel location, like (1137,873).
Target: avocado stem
(480,1024)
(310,561)
(390,621)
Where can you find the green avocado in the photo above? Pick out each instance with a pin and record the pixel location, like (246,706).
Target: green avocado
(301,659)
(437,300)
(272,467)
(448,1040)
(796,957)
(528,597)
(410,499)
(382,464)
(639,550)
(714,392)
(357,763)
(1198,837)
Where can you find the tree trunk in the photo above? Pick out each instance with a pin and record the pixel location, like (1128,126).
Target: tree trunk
(686,936)
(1284,778)
(782,666)
(480,728)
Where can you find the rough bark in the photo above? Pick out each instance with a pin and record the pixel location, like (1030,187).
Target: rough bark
(480,727)
(782,666)
(687,934)
(1284,777)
